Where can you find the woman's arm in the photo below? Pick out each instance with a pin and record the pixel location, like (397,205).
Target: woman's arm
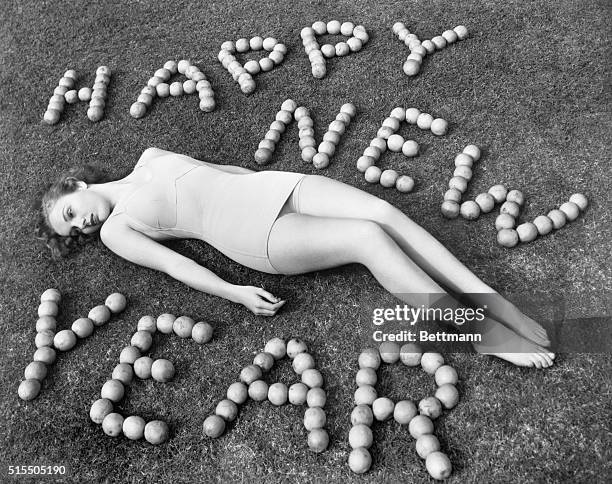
(142,250)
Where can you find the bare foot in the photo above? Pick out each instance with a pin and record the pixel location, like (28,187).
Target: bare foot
(503,343)
(509,315)
(529,329)
(536,360)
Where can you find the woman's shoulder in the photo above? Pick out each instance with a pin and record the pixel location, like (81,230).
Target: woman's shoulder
(113,227)
(152,156)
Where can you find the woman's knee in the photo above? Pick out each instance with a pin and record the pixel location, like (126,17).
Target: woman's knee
(384,212)
(369,237)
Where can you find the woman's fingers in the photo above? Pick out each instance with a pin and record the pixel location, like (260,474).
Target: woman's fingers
(270,309)
(270,306)
(264,303)
(269,296)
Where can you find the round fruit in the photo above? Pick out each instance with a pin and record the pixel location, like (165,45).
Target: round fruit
(142,367)
(411,354)
(318,440)
(543,224)
(250,373)
(277,394)
(580,200)
(515,196)
(129,355)
(47,308)
(312,378)
(316,397)
(264,360)
(426,444)
(162,370)
(448,395)
(112,390)
(450,209)
(112,425)
(258,390)
(182,326)
(420,425)
(446,374)
(571,211)
(276,347)
(202,332)
(100,409)
(314,418)
(365,395)
(156,432)
(46,323)
(55,296)
(404,412)
(558,218)
(65,340)
(498,192)
(298,393)
(438,465)
(45,355)
(366,376)
(227,410)
(507,237)
(389,351)
(404,184)
(83,327)
(302,362)
(382,408)
(36,370)
(430,407)
(165,322)
(142,340)
(237,392)
(527,232)
(360,460)
(124,373)
(504,221)
(431,361)
(214,426)
(133,427)
(369,358)
(99,314)
(360,436)
(116,302)
(28,389)
(362,415)
(296,346)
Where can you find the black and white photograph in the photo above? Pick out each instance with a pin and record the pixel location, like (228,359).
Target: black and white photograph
(305,242)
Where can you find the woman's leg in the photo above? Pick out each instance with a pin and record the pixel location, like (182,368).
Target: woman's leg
(324,197)
(301,243)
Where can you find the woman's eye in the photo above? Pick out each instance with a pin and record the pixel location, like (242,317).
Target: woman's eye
(69,212)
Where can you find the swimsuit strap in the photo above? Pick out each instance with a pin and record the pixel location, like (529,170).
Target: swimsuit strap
(122,207)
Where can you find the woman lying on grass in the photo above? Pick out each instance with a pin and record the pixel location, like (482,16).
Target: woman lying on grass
(275,222)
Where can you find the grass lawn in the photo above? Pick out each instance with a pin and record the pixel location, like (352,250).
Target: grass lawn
(531,85)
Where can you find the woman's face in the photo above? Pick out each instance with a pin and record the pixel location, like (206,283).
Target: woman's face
(83,209)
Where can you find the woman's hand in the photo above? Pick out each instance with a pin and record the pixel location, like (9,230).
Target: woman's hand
(258,300)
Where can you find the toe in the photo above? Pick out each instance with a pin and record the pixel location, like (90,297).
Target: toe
(536,361)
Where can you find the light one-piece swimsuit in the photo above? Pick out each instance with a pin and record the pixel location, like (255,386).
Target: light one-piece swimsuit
(179,197)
